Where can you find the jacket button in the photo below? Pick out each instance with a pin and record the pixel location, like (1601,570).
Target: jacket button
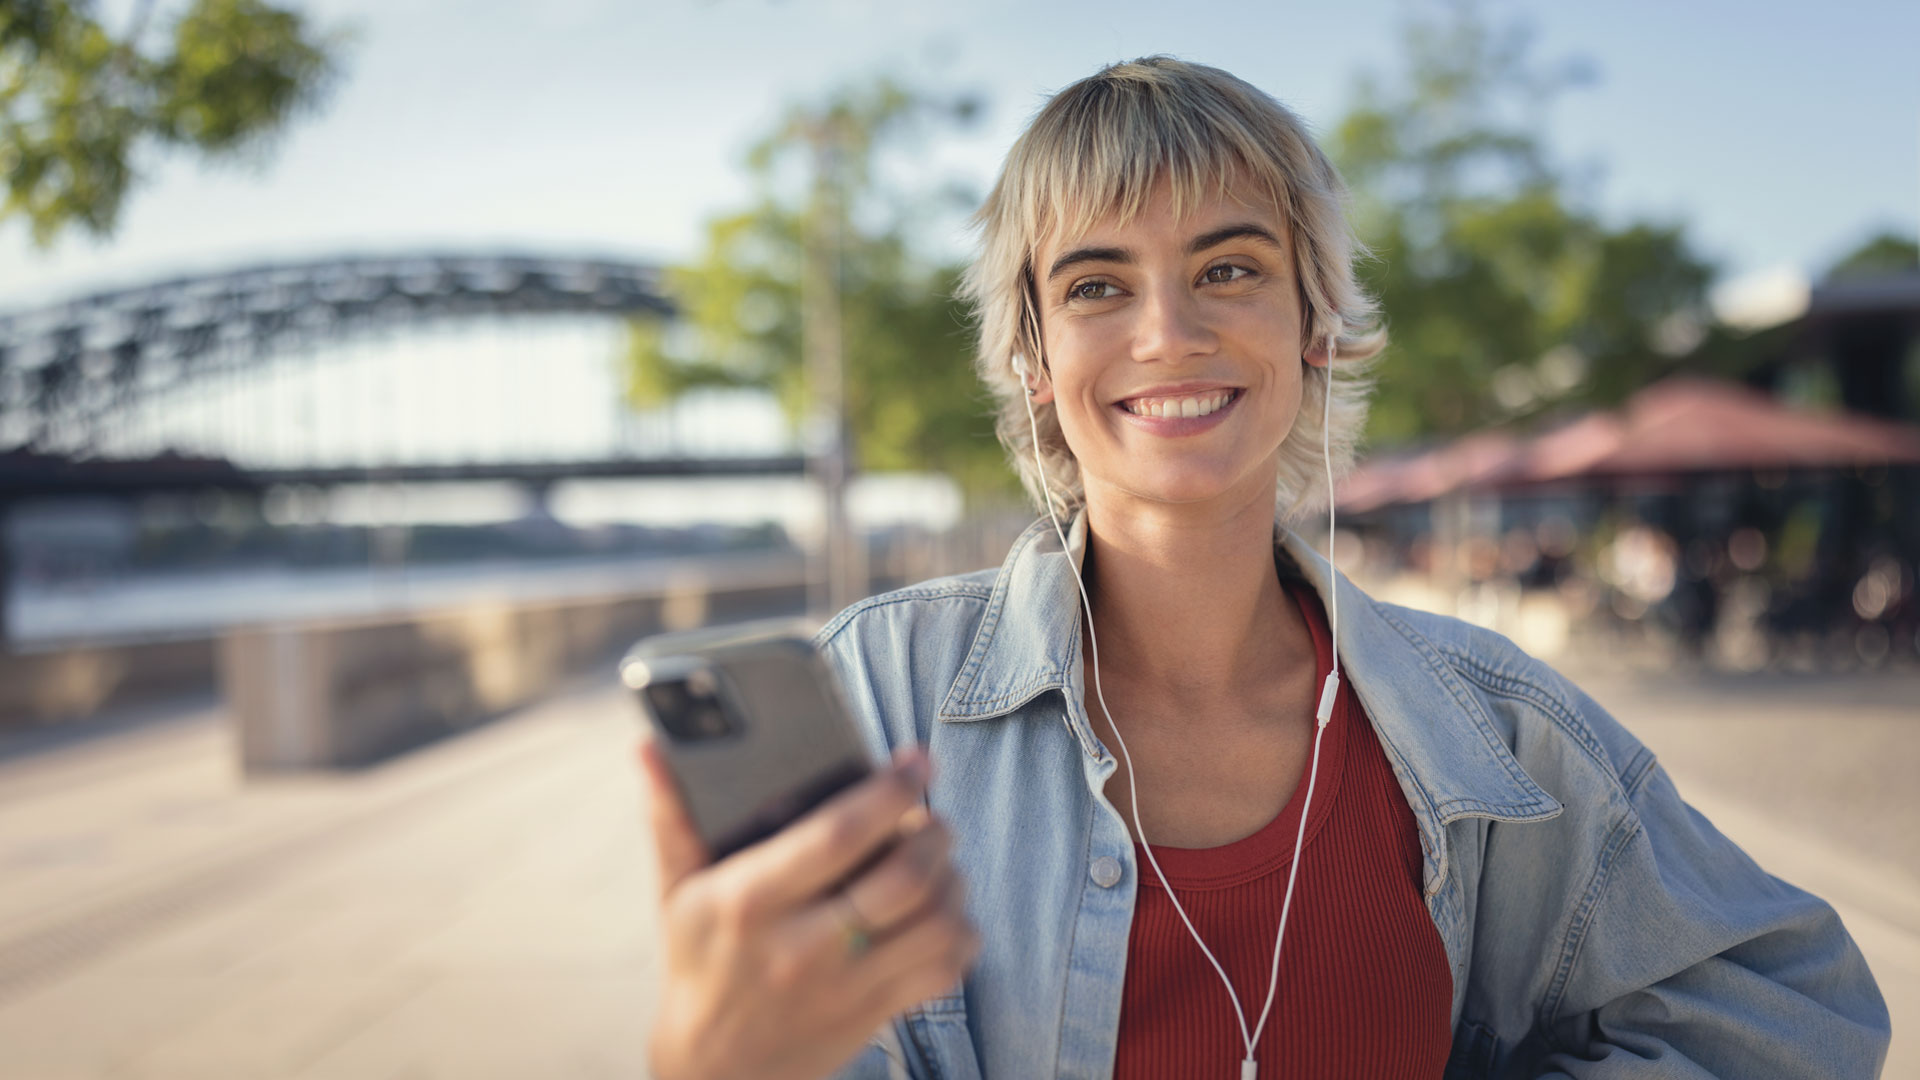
(1106,871)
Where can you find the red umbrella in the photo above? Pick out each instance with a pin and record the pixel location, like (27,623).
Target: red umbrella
(1471,461)
(1679,425)
(1686,424)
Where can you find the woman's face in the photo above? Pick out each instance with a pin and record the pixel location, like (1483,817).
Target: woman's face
(1174,348)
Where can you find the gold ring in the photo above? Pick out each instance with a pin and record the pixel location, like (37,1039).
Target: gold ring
(858,933)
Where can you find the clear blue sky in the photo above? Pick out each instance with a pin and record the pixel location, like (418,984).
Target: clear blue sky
(1783,133)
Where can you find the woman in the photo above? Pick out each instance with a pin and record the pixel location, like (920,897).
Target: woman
(1445,859)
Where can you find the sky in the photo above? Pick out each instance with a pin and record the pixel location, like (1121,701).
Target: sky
(1782,134)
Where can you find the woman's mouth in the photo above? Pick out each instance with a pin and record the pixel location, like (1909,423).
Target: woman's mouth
(1183,414)
(1185,405)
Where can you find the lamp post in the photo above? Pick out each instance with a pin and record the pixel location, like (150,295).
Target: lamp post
(838,577)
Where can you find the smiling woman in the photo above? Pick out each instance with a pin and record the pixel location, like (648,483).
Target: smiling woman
(1383,844)
(1241,177)
(1165,328)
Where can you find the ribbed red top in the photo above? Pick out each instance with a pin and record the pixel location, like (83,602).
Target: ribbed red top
(1364,984)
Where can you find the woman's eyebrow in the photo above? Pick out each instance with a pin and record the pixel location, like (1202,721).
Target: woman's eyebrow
(1088,254)
(1242,230)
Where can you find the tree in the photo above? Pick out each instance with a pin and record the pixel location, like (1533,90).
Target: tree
(1885,253)
(77,102)
(912,400)
(1504,292)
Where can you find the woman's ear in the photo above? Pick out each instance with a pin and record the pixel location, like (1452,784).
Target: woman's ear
(1038,386)
(1318,351)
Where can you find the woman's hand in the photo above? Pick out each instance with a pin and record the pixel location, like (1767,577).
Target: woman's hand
(766,974)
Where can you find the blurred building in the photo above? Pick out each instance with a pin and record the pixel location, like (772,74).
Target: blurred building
(1705,518)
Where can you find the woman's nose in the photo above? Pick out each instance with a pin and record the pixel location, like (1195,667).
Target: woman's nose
(1171,327)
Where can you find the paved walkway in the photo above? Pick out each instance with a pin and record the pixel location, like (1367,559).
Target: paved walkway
(482,908)
(477,909)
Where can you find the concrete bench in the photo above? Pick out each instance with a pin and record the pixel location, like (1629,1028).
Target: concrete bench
(349,691)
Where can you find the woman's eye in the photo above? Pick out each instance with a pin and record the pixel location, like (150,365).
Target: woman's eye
(1225,272)
(1091,290)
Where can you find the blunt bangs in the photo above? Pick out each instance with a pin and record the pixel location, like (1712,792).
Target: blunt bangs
(1114,146)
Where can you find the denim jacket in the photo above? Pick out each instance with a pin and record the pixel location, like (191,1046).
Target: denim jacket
(1597,925)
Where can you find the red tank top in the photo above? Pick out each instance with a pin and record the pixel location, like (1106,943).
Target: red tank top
(1364,985)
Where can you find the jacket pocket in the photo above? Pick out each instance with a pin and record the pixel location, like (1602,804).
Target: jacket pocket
(1474,1047)
(939,1041)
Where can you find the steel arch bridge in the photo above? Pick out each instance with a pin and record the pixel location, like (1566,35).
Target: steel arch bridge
(68,370)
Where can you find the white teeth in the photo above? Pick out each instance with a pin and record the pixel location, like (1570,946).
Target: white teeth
(1180,407)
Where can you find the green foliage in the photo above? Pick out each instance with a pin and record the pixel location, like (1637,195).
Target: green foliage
(739,317)
(911,397)
(77,102)
(1504,293)
(1885,253)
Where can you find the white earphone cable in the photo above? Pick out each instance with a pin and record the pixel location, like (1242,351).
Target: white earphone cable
(1249,1068)
(1328,690)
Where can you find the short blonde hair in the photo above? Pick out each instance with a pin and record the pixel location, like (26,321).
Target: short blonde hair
(1100,147)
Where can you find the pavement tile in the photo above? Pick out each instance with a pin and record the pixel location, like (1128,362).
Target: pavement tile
(91,1026)
(365,936)
(268,1028)
(506,1027)
(211,943)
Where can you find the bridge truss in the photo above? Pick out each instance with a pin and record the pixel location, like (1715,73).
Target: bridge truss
(71,372)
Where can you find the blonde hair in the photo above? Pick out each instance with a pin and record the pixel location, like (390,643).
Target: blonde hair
(1100,147)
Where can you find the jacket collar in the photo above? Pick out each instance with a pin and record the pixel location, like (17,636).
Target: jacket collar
(1430,722)
(1029,638)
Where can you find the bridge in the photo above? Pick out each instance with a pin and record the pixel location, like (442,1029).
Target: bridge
(69,371)
(295,375)
(25,474)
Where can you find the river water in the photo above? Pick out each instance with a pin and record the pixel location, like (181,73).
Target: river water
(191,605)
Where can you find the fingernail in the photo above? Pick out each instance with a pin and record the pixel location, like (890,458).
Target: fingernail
(915,819)
(916,767)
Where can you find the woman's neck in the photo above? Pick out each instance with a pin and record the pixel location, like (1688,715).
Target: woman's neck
(1186,598)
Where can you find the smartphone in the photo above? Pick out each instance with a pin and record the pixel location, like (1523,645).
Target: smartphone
(753,725)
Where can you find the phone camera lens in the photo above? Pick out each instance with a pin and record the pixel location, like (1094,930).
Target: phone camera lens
(690,709)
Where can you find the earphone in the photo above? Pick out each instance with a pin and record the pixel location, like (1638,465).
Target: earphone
(1323,713)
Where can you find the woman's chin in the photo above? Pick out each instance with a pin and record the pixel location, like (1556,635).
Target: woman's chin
(1185,486)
